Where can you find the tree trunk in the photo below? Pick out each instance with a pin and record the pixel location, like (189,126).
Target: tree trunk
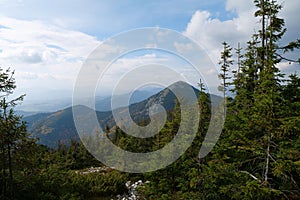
(11,180)
(3,170)
(173,180)
(267,161)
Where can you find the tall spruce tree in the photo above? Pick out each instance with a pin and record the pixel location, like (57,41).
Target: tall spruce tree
(225,63)
(12,132)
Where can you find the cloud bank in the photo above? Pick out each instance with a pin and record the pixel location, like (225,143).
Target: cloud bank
(45,56)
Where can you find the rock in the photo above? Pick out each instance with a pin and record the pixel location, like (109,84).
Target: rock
(127,184)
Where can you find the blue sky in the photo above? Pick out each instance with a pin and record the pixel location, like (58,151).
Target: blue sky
(105,18)
(46,42)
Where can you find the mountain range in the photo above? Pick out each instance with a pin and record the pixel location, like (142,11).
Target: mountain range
(102,103)
(50,128)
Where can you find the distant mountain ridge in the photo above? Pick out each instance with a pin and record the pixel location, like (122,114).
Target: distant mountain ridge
(59,126)
(102,103)
(138,96)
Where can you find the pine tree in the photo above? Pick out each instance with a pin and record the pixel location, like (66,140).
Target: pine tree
(225,63)
(13,131)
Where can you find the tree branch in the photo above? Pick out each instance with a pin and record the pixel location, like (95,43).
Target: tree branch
(286,59)
(254,177)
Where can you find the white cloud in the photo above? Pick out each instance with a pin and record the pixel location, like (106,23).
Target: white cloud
(130,66)
(210,33)
(288,68)
(124,65)
(284,65)
(28,75)
(33,41)
(183,47)
(239,6)
(290,13)
(44,56)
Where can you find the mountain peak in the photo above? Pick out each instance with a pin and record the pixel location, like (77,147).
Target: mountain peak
(180,84)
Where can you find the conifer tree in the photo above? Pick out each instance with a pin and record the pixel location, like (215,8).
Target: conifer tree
(225,64)
(12,131)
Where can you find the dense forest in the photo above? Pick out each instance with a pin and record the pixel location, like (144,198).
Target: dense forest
(256,157)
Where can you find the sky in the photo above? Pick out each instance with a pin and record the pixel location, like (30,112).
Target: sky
(47,42)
